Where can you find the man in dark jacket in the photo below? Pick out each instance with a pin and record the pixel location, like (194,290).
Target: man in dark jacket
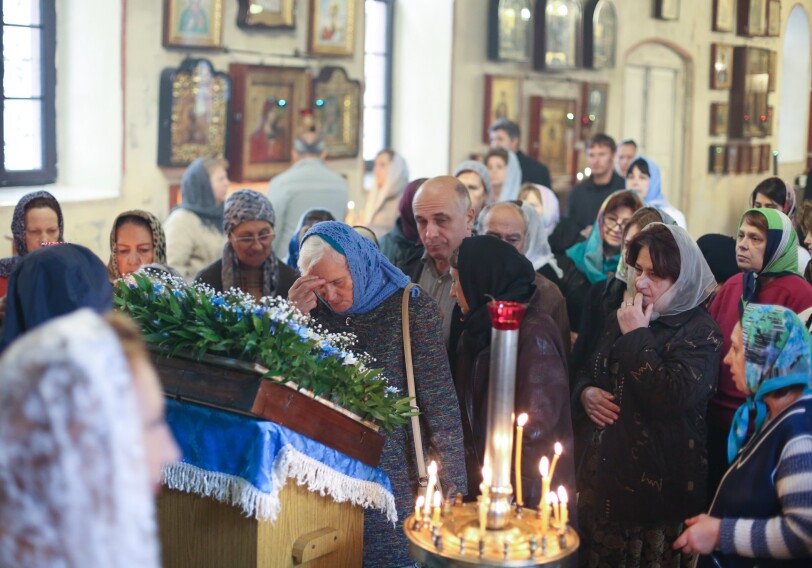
(505,134)
(585,198)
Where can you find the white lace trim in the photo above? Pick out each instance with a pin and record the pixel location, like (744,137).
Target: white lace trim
(289,463)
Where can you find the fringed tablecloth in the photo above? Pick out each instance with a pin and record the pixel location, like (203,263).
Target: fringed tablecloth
(246,462)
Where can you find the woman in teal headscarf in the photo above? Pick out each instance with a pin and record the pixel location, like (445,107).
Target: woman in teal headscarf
(596,258)
(763,508)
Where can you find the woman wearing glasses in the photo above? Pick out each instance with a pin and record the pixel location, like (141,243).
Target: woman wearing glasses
(248,261)
(596,258)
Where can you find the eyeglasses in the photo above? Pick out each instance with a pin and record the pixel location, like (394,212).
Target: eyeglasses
(247,240)
(612,223)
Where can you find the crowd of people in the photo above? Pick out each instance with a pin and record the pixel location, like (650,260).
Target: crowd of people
(675,372)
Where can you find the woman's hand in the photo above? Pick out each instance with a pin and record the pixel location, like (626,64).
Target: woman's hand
(303,293)
(631,316)
(701,536)
(599,406)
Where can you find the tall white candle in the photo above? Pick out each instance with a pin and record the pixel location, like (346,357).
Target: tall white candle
(520,422)
(432,470)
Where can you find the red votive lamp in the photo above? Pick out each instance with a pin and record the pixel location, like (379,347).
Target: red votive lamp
(506,316)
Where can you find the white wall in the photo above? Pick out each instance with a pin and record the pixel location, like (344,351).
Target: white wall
(795,88)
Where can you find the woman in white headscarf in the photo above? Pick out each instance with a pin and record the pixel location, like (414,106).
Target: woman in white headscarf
(646,392)
(536,247)
(545,202)
(505,173)
(381,208)
(82,445)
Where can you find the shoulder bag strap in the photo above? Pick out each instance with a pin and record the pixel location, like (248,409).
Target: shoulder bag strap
(407,352)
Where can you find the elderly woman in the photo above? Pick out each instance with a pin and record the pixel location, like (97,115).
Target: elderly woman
(485,268)
(194,229)
(476,179)
(646,391)
(137,239)
(595,259)
(347,285)
(82,445)
(765,252)
(248,260)
(402,244)
(762,512)
(381,206)
(37,218)
(644,177)
(54,281)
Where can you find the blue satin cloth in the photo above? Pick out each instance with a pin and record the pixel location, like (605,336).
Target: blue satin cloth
(219,441)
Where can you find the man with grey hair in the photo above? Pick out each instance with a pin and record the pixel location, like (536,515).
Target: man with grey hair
(306,184)
(444,216)
(510,222)
(474,176)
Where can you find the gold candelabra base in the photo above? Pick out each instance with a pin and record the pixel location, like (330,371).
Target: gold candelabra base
(458,541)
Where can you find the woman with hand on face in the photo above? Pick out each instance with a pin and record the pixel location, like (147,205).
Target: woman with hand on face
(646,391)
(194,229)
(644,178)
(348,286)
(137,239)
(248,260)
(766,253)
(762,512)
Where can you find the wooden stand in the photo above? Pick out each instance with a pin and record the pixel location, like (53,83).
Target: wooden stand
(311,530)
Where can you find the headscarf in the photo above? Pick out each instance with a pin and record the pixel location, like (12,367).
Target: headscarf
(241,206)
(374,278)
(479,169)
(396,180)
(588,255)
(695,281)
(780,254)
(198,195)
(790,201)
(408,226)
(51,282)
(777,354)
(552,213)
(158,240)
(622,272)
(720,253)
(654,197)
(73,471)
(293,245)
(513,178)
(536,248)
(18,228)
(490,269)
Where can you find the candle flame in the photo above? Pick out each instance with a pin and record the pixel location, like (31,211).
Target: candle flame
(438,498)
(433,468)
(544,466)
(559,449)
(522,419)
(420,501)
(486,475)
(562,494)
(552,498)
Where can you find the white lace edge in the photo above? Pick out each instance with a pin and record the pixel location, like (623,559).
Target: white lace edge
(289,463)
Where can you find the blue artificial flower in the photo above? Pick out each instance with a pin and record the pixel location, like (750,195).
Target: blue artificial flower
(218,301)
(259,312)
(218,314)
(158,288)
(178,294)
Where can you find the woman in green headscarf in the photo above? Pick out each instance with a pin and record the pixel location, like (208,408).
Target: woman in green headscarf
(766,253)
(763,508)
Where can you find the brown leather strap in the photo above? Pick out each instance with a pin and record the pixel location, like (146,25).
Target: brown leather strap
(407,353)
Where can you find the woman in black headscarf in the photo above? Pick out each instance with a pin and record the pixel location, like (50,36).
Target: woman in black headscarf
(482,269)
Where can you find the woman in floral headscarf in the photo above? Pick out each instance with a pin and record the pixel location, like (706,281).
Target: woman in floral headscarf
(137,239)
(348,285)
(37,218)
(775,193)
(248,261)
(763,508)
(766,253)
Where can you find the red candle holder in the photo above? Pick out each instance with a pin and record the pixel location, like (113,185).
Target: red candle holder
(506,316)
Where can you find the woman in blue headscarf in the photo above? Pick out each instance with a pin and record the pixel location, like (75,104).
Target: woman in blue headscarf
(644,178)
(348,285)
(194,229)
(762,512)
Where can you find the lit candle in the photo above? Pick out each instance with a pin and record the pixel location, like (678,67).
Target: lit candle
(553,499)
(486,480)
(417,508)
(430,489)
(558,450)
(438,500)
(520,422)
(562,505)
(544,470)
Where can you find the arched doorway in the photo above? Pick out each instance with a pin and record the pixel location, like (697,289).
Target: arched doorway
(793,109)
(656,76)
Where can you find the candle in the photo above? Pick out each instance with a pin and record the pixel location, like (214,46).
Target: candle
(430,488)
(438,500)
(553,499)
(558,450)
(483,514)
(417,507)
(562,505)
(520,422)
(486,479)
(544,470)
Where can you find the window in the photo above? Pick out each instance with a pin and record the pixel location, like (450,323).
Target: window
(377,77)
(28,41)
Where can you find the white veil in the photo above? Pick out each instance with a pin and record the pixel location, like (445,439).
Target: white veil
(74,487)
(695,282)
(513,178)
(536,248)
